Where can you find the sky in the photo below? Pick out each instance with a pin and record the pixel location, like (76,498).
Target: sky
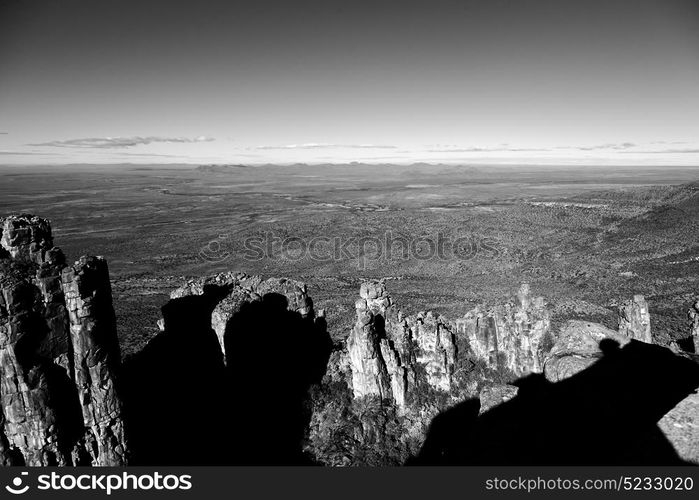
(252,82)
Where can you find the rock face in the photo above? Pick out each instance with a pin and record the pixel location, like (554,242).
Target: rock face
(579,345)
(388,351)
(399,371)
(96,355)
(634,319)
(508,336)
(694,326)
(58,350)
(681,426)
(394,373)
(493,395)
(26,238)
(257,354)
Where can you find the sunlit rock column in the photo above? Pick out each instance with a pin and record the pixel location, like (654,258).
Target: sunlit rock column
(369,372)
(95,355)
(388,351)
(694,317)
(31,421)
(634,319)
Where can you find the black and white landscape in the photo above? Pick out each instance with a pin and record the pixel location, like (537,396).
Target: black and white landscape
(321,233)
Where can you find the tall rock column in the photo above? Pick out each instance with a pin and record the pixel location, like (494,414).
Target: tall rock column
(694,318)
(58,347)
(634,319)
(369,372)
(95,355)
(390,354)
(35,427)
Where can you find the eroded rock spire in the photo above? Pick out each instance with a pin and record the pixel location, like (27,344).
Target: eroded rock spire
(58,350)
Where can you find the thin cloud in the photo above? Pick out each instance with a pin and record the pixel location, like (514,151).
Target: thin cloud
(120,142)
(148,155)
(4,133)
(16,153)
(483,150)
(616,146)
(668,151)
(319,145)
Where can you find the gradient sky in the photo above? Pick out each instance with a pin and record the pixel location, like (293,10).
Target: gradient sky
(145,81)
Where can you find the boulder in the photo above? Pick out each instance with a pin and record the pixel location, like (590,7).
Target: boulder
(579,345)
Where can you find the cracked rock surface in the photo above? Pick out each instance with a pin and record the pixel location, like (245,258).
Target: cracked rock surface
(58,353)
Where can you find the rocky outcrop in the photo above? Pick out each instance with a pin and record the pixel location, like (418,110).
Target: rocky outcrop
(509,336)
(634,319)
(681,427)
(396,371)
(58,348)
(694,325)
(399,371)
(493,395)
(96,355)
(26,238)
(579,345)
(369,368)
(255,352)
(391,354)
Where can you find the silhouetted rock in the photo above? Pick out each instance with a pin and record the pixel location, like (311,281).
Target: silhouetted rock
(247,350)
(58,347)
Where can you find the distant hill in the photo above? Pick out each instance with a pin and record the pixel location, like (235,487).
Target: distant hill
(219,169)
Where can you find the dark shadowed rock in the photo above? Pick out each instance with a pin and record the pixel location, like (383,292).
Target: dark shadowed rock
(606,413)
(239,347)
